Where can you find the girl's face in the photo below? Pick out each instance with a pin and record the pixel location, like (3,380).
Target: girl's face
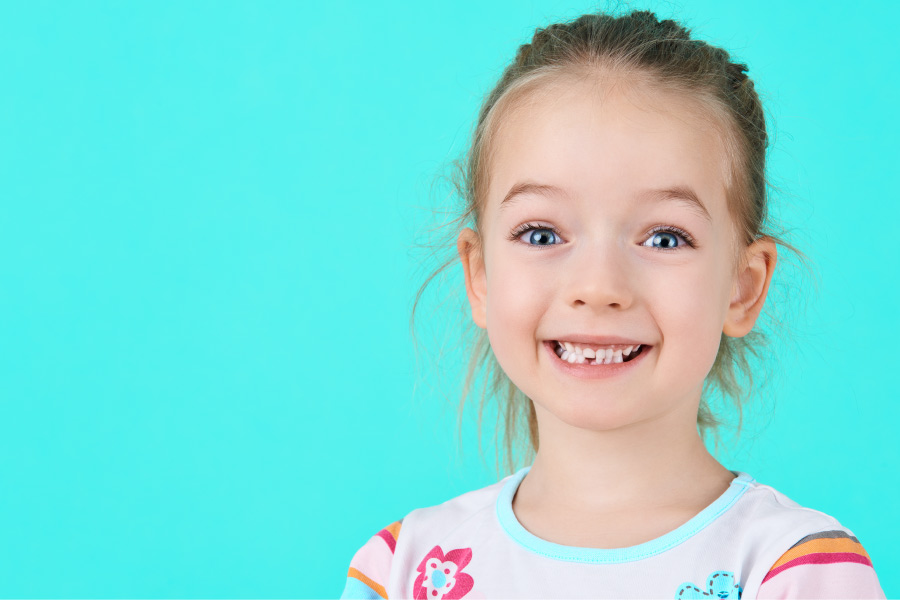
(605,227)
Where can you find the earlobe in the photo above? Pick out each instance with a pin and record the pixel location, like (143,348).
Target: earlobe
(751,287)
(470,254)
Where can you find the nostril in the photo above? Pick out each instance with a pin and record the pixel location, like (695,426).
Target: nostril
(616,305)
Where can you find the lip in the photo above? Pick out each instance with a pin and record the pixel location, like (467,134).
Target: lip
(605,340)
(588,371)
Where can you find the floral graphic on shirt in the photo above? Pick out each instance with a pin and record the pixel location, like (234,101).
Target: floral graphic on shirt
(719,584)
(441,576)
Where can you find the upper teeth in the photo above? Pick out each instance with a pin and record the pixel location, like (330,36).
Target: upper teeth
(574,353)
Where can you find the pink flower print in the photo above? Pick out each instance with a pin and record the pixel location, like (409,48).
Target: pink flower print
(441,576)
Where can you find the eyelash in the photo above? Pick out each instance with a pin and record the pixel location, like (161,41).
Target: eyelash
(516,233)
(688,238)
(526,227)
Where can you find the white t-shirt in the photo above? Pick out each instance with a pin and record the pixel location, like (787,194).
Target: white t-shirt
(751,542)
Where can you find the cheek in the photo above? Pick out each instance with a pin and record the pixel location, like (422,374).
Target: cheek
(511,300)
(516,301)
(693,314)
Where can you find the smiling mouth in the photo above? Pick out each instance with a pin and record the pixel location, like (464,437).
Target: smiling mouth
(597,355)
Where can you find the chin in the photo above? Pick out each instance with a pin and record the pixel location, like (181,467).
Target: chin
(593,414)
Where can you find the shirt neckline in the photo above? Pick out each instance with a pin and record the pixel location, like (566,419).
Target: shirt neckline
(529,541)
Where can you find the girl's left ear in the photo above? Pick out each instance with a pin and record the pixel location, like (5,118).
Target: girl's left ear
(750,287)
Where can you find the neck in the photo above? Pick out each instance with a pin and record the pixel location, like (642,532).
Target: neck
(647,465)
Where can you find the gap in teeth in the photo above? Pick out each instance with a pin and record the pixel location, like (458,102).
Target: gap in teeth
(574,353)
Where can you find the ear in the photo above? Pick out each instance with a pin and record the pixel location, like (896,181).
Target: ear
(750,287)
(470,254)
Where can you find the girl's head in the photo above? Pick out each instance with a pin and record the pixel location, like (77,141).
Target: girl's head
(615,189)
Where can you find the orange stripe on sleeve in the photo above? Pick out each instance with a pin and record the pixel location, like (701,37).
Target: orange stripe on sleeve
(394,529)
(389,535)
(824,546)
(379,589)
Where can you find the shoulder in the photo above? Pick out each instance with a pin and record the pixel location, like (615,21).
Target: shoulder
(457,510)
(369,574)
(772,518)
(806,553)
(769,503)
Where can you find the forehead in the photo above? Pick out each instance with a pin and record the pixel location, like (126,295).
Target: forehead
(608,138)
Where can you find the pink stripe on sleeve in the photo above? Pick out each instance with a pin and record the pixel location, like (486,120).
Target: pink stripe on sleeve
(374,559)
(388,539)
(820,558)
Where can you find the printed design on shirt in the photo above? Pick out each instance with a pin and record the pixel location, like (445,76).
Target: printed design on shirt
(825,547)
(441,575)
(719,584)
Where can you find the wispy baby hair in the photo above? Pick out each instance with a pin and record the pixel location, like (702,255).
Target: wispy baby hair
(661,54)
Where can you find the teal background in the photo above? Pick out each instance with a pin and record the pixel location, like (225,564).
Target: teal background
(208,213)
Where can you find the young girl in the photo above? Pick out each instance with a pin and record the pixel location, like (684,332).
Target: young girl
(617,262)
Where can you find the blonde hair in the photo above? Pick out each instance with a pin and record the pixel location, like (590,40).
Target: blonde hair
(662,53)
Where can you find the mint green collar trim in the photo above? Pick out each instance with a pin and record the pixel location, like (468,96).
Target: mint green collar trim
(531,542)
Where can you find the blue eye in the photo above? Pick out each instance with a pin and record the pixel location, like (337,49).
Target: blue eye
(663,239)
(539,236)
(668,238)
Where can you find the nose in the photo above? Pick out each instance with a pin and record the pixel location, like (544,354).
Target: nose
(598,279)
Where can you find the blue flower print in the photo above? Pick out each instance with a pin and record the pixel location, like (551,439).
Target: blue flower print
(719,584)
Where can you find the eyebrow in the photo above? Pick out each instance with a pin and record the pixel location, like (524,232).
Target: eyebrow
(539,189)
(678,193)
